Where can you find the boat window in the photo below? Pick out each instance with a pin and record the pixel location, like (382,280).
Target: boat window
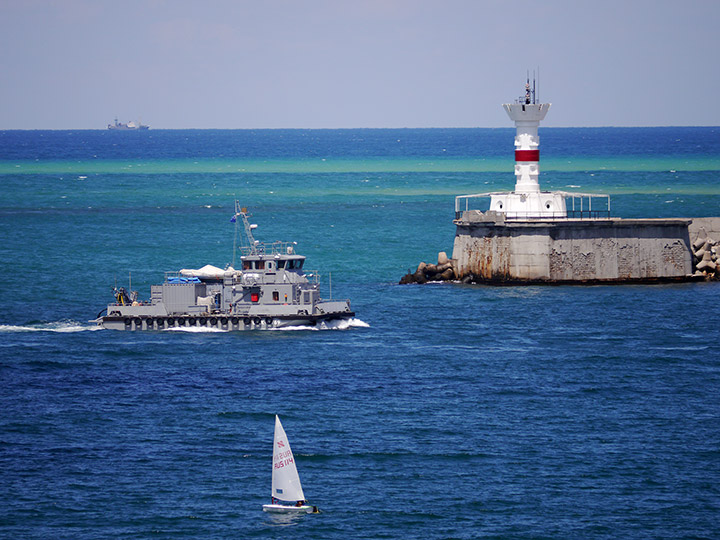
(260,265)
(276,296)
(246,265)
(281,264)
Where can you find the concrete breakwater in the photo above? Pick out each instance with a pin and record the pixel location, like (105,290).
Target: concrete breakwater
(533,236)
(490,249)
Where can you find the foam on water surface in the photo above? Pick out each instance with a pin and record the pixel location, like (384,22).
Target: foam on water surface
(341,324)
(63,327)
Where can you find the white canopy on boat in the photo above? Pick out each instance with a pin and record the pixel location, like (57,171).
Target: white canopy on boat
(207,271)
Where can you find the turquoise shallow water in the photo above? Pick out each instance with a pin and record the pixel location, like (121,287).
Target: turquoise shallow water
(368,164)
(459,412)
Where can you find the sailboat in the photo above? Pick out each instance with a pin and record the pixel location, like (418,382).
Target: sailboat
(287,494)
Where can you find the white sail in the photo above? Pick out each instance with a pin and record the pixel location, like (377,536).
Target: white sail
(285,480)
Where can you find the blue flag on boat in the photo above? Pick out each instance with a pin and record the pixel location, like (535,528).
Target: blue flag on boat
(232,219)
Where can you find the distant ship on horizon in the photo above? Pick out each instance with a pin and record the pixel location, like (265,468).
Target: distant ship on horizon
(129,126)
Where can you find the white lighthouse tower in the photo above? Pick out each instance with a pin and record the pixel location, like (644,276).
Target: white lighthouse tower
(527,201)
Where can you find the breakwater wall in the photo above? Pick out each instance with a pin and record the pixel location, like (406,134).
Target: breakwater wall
(490,249)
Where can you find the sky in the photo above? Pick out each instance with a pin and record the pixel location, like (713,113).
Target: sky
(233,64)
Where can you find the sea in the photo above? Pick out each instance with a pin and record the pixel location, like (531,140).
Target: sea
(441,411)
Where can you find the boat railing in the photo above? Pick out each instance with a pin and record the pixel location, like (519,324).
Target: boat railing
(263,277)
(313,277)
(136,303)
(275,248)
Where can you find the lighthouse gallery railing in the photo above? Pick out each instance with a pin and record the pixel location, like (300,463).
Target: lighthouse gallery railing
(578,206)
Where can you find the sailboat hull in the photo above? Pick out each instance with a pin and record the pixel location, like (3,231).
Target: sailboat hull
(287,509)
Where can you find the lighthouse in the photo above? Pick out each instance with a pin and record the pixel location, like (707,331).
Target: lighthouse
(534,236)
(527,201)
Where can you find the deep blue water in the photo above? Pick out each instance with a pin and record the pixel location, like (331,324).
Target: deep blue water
(459,412)
(363,143)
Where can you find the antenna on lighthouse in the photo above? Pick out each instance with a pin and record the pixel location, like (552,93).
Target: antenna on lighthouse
(532,93)
(527,98)
(534,98)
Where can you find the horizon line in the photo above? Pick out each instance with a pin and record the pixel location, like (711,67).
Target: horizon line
(358,128)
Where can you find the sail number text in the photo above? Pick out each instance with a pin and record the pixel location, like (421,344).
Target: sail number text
(283,459)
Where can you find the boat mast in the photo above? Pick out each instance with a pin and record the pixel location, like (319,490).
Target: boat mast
(252,243)
(234,220)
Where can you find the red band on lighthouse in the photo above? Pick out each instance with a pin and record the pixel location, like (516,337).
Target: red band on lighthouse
(527,155)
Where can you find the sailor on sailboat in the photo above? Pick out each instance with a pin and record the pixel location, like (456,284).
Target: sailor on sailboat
(285,479)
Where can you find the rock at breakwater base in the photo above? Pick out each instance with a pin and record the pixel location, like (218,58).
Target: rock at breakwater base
(442,271)
(706,255)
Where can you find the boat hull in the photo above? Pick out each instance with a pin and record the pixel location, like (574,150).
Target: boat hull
(287,509)
(218,322)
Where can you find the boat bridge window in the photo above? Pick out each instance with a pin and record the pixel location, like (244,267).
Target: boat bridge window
(295,264)
(254,265)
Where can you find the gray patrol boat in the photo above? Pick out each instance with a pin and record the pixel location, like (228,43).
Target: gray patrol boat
(270,291)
